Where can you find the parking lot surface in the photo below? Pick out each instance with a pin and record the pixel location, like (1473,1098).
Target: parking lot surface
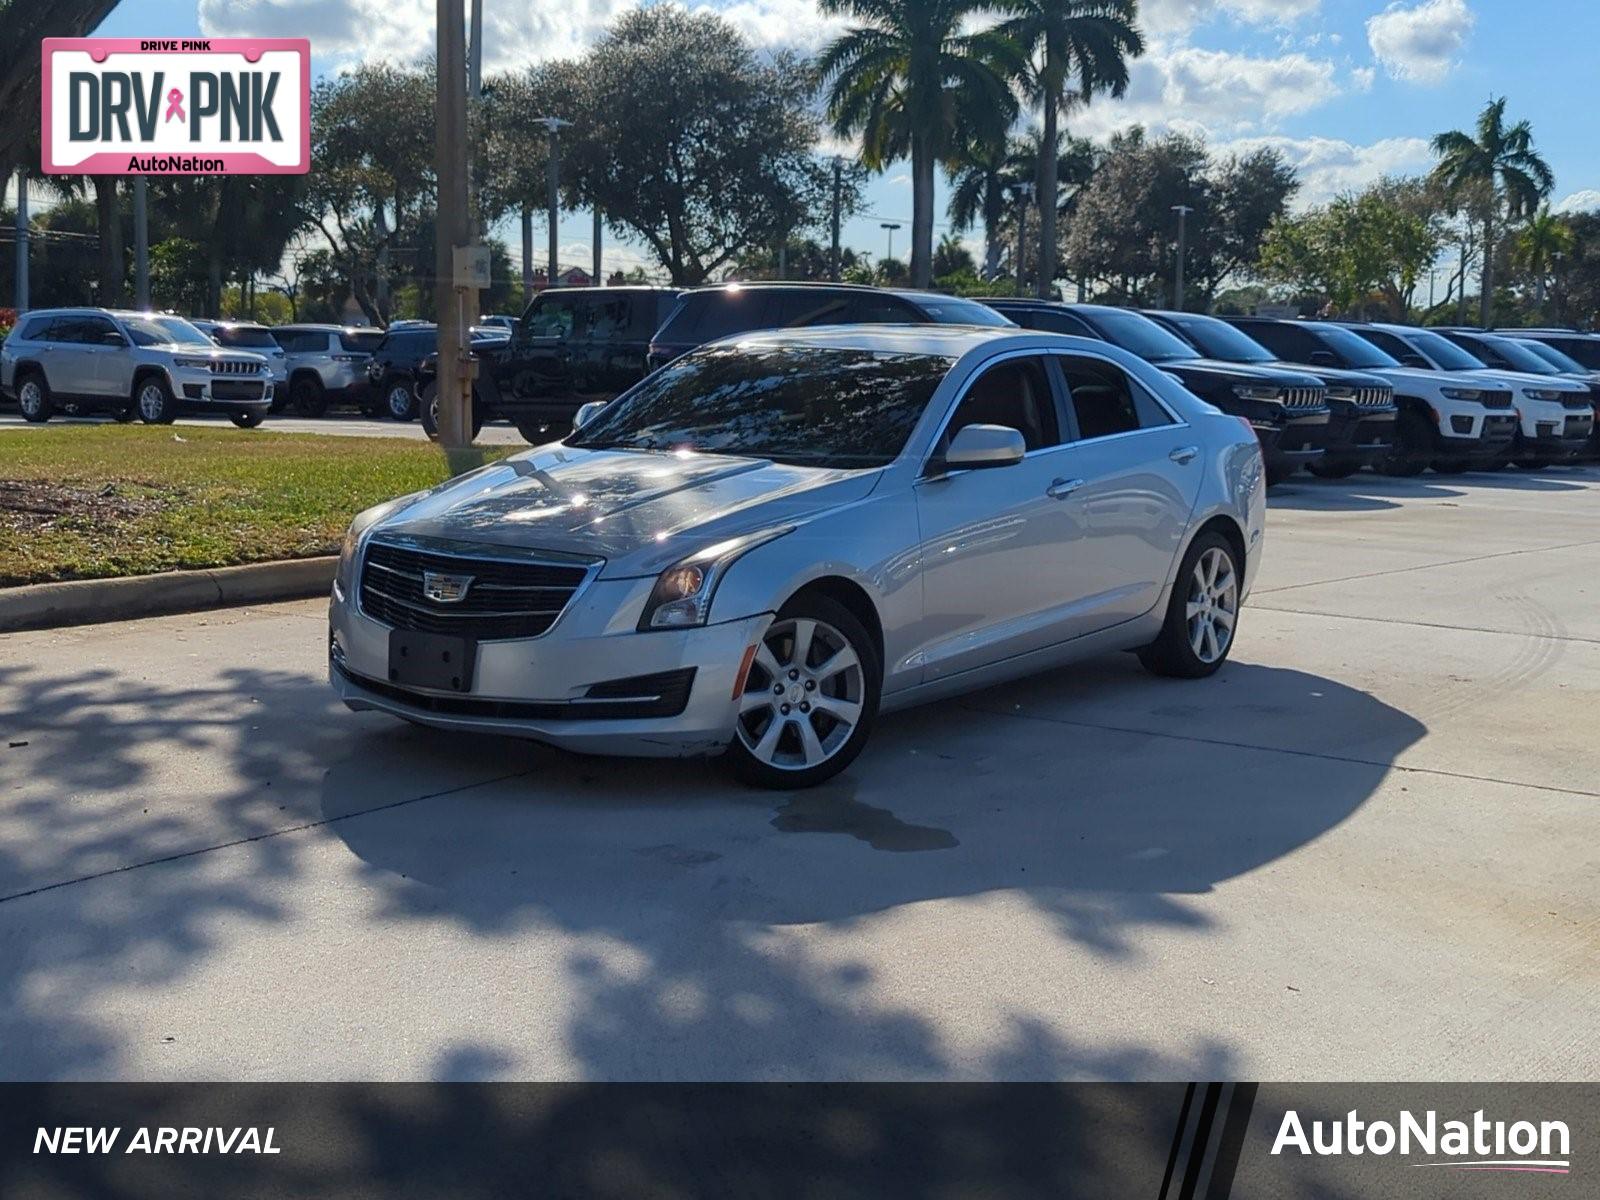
(1365,850)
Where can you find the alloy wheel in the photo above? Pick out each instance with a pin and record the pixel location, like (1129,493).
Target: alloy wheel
(1213,606)
(804,695)
(151,402)
(400,402)
(31,398)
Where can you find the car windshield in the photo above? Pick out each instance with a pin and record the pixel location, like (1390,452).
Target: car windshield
(153,330)
(249,337)
(809,405)
(1140,335)
(953,310)
(1520,357)
(1444,352)
(1218,339)
(1561,362)
(1357,352)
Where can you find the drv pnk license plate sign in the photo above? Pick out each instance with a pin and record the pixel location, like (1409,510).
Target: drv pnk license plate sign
(177,106)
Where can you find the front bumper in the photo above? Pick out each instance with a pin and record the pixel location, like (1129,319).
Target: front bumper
(1557,439)
(594,642)
(1361,434)
(202,391)
(1288,443)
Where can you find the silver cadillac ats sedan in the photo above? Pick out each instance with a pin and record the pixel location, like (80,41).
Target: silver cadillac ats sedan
(765,544)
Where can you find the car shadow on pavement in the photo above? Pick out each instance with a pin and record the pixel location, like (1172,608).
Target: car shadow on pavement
(1370,492)
(705,930)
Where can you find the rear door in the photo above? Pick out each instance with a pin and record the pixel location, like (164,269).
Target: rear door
(1135,471)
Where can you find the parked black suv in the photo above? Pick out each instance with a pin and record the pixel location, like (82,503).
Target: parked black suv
(1361,406)
(709,313)
(1285,406)
(1584,348)
(573,345)
(392,370)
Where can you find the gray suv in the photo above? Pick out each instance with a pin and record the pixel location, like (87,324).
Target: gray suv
(328,365)
(150,365)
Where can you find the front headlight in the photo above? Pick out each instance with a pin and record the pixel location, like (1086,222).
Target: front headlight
(364,520)
(683,592)
(1455,393)
(193,364)
(1534,393)
(1256,391)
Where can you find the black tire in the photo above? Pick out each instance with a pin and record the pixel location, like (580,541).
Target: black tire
(1337,468)
(1452,466)
(1412,448)
(399,400)
(1173,653)
(537,433)
(1278,473)
(868,681)
(152,396)
(247,420)
(428,411)
(124,415)
(307,396)
(33,396)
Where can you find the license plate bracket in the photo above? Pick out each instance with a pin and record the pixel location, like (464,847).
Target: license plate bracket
(436,661)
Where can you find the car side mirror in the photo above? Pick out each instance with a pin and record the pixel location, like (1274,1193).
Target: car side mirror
(1323,358)
(587,413)
(112,338)
(1415,360)
(979,447)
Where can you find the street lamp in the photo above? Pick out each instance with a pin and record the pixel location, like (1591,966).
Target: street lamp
(1183,211)
(891,226)
(553,126)
(1024,198)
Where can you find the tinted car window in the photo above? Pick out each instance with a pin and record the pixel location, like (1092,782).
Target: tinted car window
(954,310)
(301,341)
(172,329)
(603,318)
(1442,350)
(1015,394)
(722,314)
(83,330)
(35,329)
(246,337)
(794,308)
(1564,363)
(1289,342)
(550,317)
(1053,321)
(1105,401)
(1140,335)
(1391,345)
(809,405)
(1218,339)
(1585,350)
(362,342)
(1515,356)
(410,342)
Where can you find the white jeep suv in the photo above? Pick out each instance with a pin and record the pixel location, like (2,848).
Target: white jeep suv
(128,364)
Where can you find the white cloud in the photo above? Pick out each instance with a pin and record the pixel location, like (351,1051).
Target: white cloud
(1420,43)
(1269,12)
(1191,88)
(1362,78)
(1328,166)
(1587,200)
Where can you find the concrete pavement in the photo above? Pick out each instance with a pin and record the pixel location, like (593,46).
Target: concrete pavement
(1364,850)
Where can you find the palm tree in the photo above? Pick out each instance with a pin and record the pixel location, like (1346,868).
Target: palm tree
(980,180)
(1499,165)
(1544,238)
(911,83)
(1075,48)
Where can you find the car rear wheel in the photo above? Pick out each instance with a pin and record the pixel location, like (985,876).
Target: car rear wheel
(308,397)
(33,397)
(809,699)
(1203,614)
(1412,448)
(399,401)
(1337,469)
(428,410)
(153,398)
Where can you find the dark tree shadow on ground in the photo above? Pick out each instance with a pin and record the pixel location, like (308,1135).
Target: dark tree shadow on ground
(1368,491)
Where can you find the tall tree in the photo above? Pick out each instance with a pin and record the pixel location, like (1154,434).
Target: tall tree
(980,179)
(1075,49)
(1499,166)
(913,82)
(1546,237)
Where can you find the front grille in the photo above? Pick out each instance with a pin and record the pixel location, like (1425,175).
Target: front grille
(236,389)
(1576,402)
(1496,399)
(506,598)
(663,695)
(1302,397)
(226,366)
(1374,397)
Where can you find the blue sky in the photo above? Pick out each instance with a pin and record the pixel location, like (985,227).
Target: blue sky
(1348,89)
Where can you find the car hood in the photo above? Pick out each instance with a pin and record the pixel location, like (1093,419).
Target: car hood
(190,350)
(639,510)
(1338,376)
(1244,372)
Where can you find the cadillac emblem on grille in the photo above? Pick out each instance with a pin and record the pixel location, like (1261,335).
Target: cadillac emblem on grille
(445,589)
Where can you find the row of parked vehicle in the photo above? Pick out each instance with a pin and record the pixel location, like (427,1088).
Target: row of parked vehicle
(1332,397)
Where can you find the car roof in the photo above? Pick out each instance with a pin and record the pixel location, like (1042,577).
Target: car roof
(949,340)
(319,327)
(575,290)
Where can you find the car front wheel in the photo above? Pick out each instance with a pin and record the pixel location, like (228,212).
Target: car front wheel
(399,401)
(308,397)
(1203,613)
(33,397)
(153,398)
(809,699)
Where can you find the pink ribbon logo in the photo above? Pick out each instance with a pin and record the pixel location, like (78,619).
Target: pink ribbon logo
(175,105)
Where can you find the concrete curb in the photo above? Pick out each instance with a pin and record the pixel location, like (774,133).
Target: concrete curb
(87,601)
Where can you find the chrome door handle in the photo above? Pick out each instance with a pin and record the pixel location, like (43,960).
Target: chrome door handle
(1184,455)
(1060,489)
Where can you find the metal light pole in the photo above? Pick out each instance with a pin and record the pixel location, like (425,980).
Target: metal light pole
(597,280)
(141,243)
(21,240)
(1024,196)
(890,226)
(833,262)
(553,126)
(453,379)
(1183,211)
